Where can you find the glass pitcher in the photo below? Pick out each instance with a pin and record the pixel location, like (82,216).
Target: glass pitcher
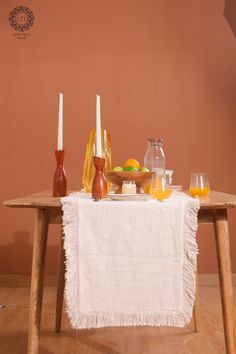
(88,166)
(154,158)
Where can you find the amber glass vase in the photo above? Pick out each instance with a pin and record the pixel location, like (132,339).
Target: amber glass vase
(88,167)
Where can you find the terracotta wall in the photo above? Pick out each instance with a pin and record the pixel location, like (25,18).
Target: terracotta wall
(163,68)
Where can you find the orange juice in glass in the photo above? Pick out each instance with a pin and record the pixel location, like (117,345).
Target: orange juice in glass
(160,187)
(199,185)
(146,188)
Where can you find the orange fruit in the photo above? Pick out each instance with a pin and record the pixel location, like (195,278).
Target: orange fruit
(132,162)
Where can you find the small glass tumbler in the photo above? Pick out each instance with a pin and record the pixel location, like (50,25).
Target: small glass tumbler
(160,187)
(199,185)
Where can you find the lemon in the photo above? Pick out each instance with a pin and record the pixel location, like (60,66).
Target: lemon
(144,169)
(117,168)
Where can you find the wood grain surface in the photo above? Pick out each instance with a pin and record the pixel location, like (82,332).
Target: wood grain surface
(126,340)
(215,200)
(224,262)
(37,277)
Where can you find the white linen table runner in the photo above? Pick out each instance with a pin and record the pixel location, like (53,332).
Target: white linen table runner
(130,262)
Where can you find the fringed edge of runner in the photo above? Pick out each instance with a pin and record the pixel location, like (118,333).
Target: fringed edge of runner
(70,219)
(190,257)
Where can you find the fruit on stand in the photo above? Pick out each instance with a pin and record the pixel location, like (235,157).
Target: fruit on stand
(143,169)
(131,165)
(131,172)
(131,162)
(130,168)
(118,168)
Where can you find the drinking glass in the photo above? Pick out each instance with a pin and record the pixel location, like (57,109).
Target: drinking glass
(160,187)
(88,167)
(199,185)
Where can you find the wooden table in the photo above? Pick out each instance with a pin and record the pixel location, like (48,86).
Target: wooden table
(48,211)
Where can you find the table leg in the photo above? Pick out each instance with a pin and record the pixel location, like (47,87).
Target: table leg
(223,254)
(60,286)
(196,309)
(36,292)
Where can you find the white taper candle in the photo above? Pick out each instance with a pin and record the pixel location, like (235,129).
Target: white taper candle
(98,128)
(60,123)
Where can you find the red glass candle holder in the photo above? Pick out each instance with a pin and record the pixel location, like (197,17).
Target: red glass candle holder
(99,186)
(59,181)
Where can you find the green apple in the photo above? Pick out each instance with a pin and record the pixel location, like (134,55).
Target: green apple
(144,169)
(118,168)
(130,168)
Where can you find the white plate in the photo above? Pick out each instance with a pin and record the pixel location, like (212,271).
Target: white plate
(129,196)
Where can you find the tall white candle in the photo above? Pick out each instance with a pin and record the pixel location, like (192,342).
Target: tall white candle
(98,128)
(60,123)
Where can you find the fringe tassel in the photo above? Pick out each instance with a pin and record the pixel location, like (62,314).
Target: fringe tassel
(190,257)
(70,229)
(80,320)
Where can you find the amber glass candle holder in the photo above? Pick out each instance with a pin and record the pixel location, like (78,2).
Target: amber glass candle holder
(99,186)
(59,181)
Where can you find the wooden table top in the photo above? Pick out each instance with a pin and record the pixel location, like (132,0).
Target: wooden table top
(215,200)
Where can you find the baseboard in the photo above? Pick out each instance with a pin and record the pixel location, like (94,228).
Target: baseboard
(213,279)
(23,281)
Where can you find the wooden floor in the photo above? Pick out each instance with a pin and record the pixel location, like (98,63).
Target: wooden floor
(129,340)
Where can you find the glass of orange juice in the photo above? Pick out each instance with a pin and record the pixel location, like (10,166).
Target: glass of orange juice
(160,187)
(199,185)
